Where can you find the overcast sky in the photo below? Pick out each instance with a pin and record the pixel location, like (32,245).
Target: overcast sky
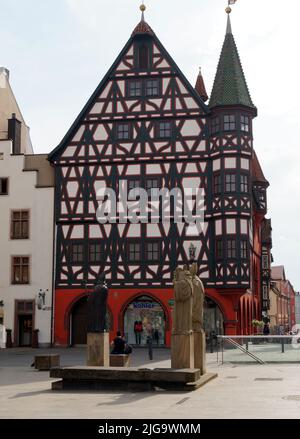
(58,51)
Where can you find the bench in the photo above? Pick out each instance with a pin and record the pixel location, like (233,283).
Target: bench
(122,360)
(46,362)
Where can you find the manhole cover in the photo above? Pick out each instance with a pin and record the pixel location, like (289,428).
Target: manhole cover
(292,398)
(268,379)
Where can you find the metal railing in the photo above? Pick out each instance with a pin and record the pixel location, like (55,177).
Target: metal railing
(259,348)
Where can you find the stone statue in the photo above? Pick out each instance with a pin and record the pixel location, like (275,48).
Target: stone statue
(198,299)
(97,306)
(183,306)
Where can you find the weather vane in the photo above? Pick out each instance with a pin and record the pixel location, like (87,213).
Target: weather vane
(228,9)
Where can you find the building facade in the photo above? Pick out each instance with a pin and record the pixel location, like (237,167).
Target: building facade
(297,308)
(282,301)
(146,126)
(26,233)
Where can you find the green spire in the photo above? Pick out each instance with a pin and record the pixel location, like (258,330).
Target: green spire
(230,87)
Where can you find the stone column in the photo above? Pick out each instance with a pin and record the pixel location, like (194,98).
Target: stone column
(200,350)
(182,350)
(98,349)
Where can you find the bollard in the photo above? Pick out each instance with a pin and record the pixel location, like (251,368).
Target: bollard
(150,347)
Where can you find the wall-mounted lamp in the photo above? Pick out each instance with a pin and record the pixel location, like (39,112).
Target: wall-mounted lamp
(192,252)
(41,299)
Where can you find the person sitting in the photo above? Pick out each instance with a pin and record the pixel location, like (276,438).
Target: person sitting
(118,345)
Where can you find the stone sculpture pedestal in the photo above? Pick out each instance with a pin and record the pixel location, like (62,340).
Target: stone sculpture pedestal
(200,351)
(98,349)
(182,350)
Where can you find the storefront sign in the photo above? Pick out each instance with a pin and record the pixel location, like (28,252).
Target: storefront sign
(143,305)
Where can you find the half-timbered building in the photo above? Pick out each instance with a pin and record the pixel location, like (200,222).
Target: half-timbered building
(147,126)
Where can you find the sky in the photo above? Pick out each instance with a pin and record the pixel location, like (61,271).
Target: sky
(58,51)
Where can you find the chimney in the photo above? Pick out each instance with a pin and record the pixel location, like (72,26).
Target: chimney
(14,133)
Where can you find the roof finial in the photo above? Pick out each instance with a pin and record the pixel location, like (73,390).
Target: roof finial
(228,11)
(143,9)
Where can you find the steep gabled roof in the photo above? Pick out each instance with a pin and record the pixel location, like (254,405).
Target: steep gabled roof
(142,29)
(256,171)
(278,272)
(230,87)
(200,87)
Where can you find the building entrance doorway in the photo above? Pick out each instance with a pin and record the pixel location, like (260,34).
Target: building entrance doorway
(25,330)
(143,316)
(213,321)
(78,322)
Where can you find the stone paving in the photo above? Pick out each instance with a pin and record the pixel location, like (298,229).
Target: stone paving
(240,391)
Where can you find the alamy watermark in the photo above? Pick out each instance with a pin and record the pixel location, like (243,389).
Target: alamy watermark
(157,205)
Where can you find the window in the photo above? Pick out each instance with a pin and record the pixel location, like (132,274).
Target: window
(245,123)
(230,182)
(244,184)
(95,252)
(165,130)
(153,251)
(20,224)
(229,122)
(152,87)
(265,262)
(244,249)
(215,125)
(219,249)
(217,184)
(143,57)
(152,183)
(134,252)
(123,131)
(133,184)
(3,186)
(77,253)
(231,248)
(20,270)
(135,88)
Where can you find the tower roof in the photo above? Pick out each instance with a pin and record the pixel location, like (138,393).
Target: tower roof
(200,87)
(230,86)
(142,27)
(257,173)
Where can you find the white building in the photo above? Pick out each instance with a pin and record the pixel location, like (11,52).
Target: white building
(26,228)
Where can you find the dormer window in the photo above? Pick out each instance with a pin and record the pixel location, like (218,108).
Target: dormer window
(143,57)
(229,122)
(245,126)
